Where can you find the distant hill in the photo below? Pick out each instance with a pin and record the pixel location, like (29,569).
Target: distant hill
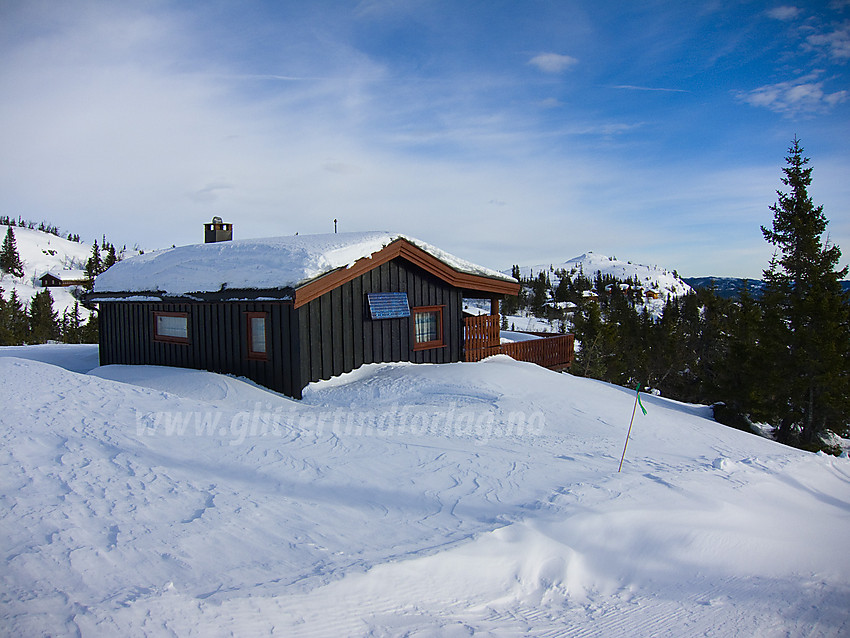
(40,253)
(590,263)
(730,287)
(665,283)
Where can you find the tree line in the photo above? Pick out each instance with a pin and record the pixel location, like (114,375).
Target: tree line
(782,359)
(43,226)
(37,321)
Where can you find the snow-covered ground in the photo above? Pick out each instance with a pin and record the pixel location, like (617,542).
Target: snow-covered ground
(524,322)
(507,336)
(400,499)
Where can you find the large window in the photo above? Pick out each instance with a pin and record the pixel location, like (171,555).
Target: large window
(428,327)
(171,327)
(257,335)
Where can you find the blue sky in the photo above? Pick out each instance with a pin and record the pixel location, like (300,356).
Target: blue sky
(504,132)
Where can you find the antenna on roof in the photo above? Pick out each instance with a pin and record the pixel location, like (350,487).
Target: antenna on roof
(334,226)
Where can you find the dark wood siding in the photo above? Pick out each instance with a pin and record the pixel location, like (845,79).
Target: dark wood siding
(218,340)
(339,335)
(325,337)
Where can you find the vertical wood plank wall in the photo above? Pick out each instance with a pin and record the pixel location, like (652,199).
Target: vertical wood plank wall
(339,335)
(323,338)
(218,340)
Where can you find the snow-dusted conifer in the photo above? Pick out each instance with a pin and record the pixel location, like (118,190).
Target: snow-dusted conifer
(10,260)
(44,322)
(14,320)
(807,321)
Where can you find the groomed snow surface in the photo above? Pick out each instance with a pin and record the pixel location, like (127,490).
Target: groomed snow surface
(416,500)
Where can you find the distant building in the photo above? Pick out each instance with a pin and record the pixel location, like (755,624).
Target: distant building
(64,278)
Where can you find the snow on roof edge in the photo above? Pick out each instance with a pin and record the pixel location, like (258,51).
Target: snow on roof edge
(260,264)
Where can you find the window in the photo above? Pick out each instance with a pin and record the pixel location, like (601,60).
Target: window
(427,327)
(257,335)
(171,327)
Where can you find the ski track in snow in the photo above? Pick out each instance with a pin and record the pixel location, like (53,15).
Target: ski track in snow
(384,504)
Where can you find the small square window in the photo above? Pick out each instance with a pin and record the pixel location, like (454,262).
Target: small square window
(427,327)
(171,327)
(257,335)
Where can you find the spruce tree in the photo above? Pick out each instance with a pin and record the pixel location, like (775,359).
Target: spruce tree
(741,384)
(111,258)
(10,260)
(44,322)
(540,290)
(807,316)
(72,325)
(14,319)
(5,333)
(591,333)
(94,265)
(90,331)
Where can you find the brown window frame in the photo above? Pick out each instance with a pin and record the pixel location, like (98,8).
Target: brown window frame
(440,342)
(255,354)
(169,338)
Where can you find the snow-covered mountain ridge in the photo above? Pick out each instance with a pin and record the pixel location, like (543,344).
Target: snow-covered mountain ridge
(664,281)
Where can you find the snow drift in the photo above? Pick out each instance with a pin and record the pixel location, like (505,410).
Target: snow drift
(403,499)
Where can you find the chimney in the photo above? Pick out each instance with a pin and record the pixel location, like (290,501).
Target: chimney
(217,230)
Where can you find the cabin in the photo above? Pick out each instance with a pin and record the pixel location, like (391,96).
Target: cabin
(288,311)
(64,278)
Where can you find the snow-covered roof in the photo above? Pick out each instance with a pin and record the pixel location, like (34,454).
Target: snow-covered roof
(67,275)
(259,264)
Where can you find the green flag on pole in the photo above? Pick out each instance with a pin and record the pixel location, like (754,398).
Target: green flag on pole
(629,433)
(640,403)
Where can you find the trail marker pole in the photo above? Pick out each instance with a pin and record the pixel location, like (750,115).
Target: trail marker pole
(628,434)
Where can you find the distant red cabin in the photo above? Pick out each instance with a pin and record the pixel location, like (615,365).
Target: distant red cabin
(63,278)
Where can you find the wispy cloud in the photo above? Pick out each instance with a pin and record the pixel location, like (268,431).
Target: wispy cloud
(210,192)
(551,103)
(836,42)
(784,13)
(805,95)
(553,62)
(632,87)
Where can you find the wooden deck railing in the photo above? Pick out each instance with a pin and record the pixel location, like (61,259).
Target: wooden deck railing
(481,339)
(554,352)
